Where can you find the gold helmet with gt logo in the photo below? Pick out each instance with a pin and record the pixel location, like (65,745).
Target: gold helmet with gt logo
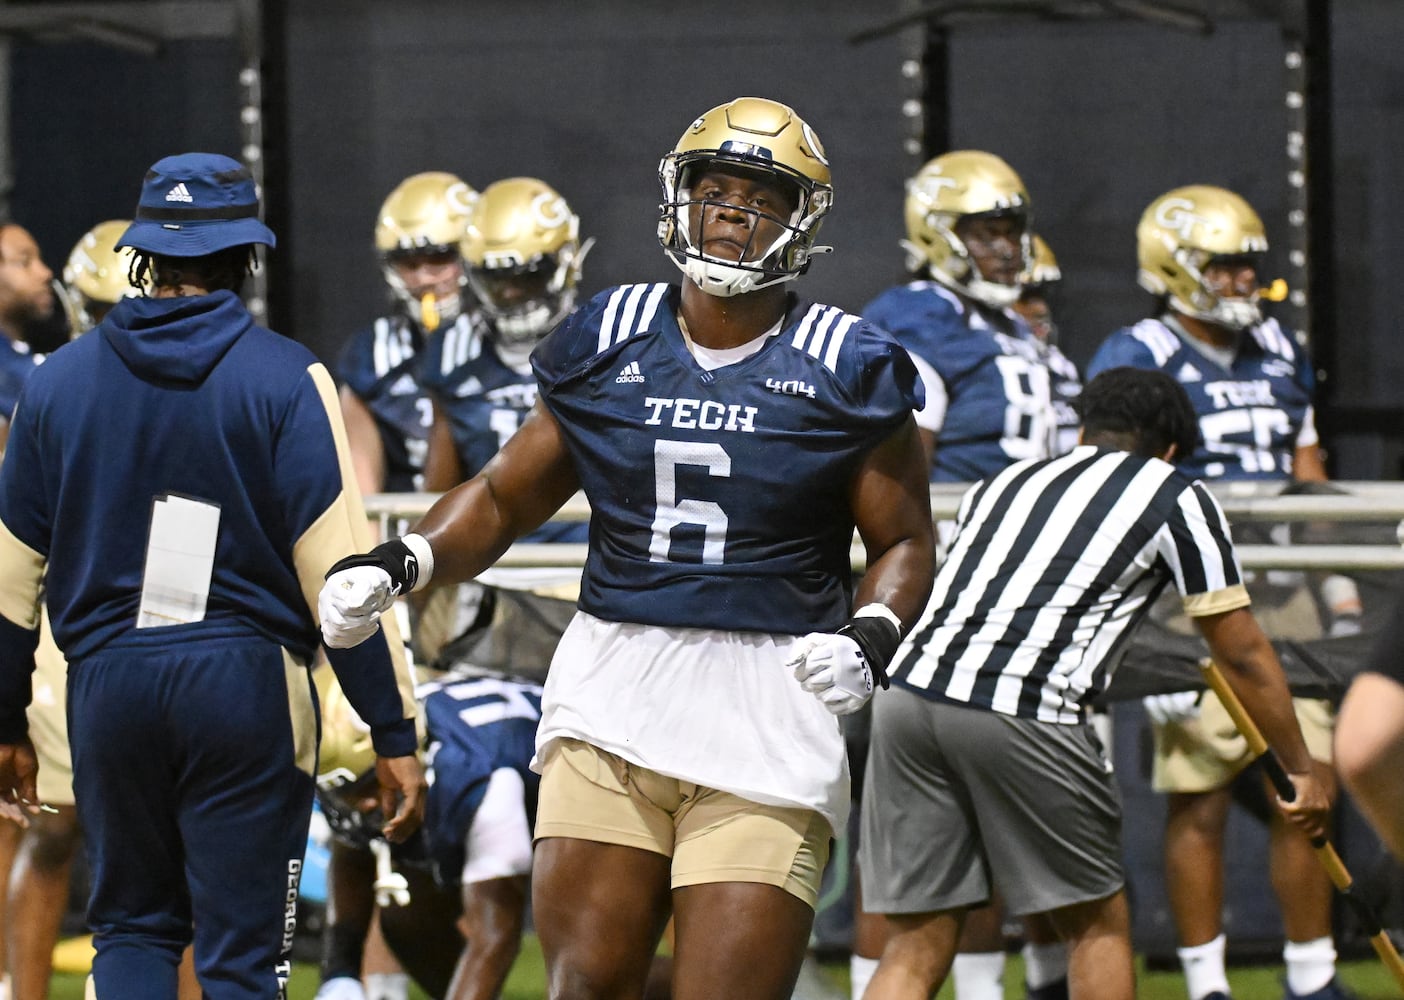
(759,136)
(1185,230)
(425,217)
(96,276)
(1042,269)
(952,187)
(524,257)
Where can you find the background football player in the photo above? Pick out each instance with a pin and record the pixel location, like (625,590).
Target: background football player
(1038,286)
(1200,250)
(417,235)
(453,900)
(524,256)
(968,242)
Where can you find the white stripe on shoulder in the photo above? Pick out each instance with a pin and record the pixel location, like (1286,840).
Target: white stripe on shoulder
(650,306)
(822,331)
(462,343)
(1159,339)
(380,348)
(629,311)
(1273,339)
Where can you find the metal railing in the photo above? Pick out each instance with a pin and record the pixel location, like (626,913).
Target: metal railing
(1243,502)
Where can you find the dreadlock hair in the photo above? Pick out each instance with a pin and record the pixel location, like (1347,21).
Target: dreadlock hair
(1140,411)
(223,270)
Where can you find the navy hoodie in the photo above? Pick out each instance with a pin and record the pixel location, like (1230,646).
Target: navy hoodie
(182,396)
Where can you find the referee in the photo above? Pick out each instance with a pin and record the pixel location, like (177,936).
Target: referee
(982,763)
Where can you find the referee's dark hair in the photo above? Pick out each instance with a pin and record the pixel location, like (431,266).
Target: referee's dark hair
(1140,411)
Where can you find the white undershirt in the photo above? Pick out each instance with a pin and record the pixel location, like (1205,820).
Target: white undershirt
(720,709)
(710,358)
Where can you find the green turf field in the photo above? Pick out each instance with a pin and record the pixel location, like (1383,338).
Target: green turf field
(1368,979)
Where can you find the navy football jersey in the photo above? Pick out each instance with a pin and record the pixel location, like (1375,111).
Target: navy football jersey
(1250,414)
(999,408)
(1065,384)
(484,400)
(381,366)
(475,726)
(720,499)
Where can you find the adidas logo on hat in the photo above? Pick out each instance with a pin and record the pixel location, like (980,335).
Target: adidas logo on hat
(179,193)
(630,373)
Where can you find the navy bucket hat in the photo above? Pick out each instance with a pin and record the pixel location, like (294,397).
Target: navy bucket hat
(196,204)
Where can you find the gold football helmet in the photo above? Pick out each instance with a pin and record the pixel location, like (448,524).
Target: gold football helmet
(762,136)
(947,189)
(1042,266)
(524,256)
(95,276)
(426,214)
(1184,230)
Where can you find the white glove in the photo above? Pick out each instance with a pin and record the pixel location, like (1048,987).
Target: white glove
(351,603)
(1178,706)
(833,669)
(341,988)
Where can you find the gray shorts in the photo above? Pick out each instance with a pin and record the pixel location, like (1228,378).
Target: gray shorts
(957,796)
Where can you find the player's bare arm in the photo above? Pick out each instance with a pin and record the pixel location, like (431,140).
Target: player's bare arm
(892,509)
(1239,646)
(363,439)
(442,468)
(526,482)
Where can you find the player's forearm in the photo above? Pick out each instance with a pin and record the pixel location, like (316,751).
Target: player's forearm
(1253,671)
(900,579)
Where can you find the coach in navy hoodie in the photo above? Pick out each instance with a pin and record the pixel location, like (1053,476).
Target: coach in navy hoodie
(178,483)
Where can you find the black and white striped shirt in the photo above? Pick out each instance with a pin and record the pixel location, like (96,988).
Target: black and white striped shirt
(1052,562)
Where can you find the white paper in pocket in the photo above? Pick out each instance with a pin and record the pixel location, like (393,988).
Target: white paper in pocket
(180,553)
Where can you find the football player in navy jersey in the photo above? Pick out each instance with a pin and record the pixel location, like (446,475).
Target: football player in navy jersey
(387,412)
(1199,250)
(453,901)
(524,255)
(729,437)
(1036,287)
(988,400)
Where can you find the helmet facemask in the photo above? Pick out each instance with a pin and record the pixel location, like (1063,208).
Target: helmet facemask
(949,261)
(526,299)
(787,256)
(427,308)
(1203,303)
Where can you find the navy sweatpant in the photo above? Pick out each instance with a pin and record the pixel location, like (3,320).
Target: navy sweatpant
(186,754)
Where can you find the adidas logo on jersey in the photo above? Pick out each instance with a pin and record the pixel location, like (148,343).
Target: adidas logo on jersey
(1188,373)
(630,373)
(179,193)
(405,385)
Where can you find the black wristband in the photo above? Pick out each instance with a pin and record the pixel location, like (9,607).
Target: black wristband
(878,638)
(394,557)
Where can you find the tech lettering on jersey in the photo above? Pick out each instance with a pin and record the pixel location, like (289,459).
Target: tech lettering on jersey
(700,414)
(1226,394)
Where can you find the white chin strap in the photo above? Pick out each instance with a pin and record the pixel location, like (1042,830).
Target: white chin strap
(992,293)
(1232,314)
(724,280)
